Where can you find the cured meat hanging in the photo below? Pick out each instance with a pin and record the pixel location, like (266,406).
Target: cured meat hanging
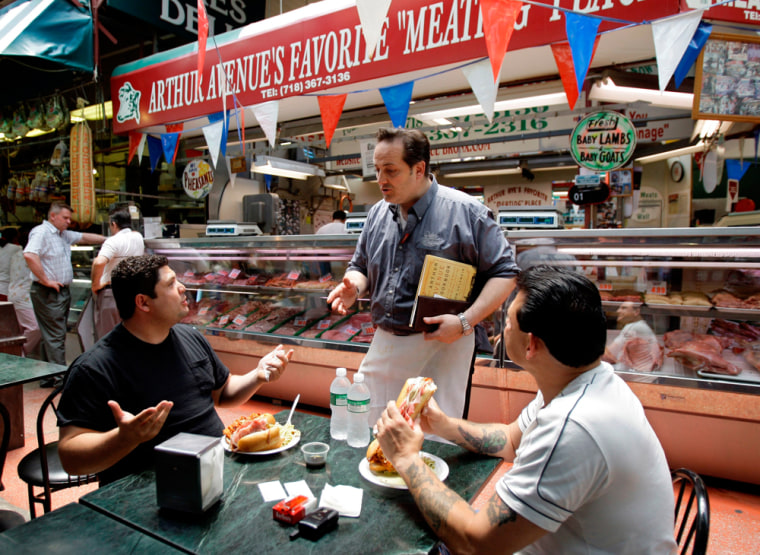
(82,180)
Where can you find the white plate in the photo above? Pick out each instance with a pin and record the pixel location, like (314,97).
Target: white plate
(441,470)
(293,443)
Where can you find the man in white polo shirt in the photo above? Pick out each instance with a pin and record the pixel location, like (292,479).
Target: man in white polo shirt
(48,255)
(123,242)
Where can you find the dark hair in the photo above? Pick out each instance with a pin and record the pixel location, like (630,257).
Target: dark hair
(339,215)
(415,143)
(120,216)
(564,309)
(8,235)
(57,206)
(133,276)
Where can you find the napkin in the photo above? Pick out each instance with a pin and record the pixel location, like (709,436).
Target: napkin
(347,500)
(299,488)
(272,491)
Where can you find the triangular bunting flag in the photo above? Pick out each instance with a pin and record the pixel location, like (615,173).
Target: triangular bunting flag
(213,135)
(735,169)
(671,39)
(563,57)
(154,149)
(480,78)
(135,139)
(397,100)
(266,115)
(372,14)
(202,37)
(330,108)
(141,148)
(175,128)
(581,33)
(696,44)
(499,18)
(169,144)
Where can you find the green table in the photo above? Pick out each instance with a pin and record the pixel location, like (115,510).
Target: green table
(242,522)
(74,529)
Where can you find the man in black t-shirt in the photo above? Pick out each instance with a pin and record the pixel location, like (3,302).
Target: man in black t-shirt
(148,379)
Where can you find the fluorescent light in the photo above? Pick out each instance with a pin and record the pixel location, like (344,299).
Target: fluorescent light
(281,167)
(94,112)
(700,146)
(550,99)
(337,182)
(606,90)
(706,128)
(38,132)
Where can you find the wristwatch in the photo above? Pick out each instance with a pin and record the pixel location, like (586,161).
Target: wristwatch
(466,327)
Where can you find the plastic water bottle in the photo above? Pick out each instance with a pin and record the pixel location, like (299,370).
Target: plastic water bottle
(338,401)
(358,412)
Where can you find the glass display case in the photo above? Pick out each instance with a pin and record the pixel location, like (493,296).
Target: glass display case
(81,287)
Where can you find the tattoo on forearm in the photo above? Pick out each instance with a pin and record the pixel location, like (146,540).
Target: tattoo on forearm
(434,502)
(499,512)
(489,441)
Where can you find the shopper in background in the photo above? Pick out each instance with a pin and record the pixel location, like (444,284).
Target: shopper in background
(18,294)
(148,379)
(9,246)
(336,227)
(576,484)
(48,255)
(417,216)
(122,243)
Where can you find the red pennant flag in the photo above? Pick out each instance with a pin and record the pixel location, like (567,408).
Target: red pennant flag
(330,108)
(175,128)
(134,142)
(202,36)
(563,56)
(499,18)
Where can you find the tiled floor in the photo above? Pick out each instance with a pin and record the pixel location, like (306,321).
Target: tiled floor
(735,508)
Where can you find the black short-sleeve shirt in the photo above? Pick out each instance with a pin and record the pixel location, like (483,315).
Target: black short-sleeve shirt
(183,369)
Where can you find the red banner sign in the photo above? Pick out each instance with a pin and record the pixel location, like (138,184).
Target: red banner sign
(328,51)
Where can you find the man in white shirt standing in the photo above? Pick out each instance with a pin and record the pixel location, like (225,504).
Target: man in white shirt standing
(123,242)
(336,227)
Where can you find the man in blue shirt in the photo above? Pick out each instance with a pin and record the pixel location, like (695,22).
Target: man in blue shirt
(416,217)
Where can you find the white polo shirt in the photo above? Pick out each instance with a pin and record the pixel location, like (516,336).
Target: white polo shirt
(117,247)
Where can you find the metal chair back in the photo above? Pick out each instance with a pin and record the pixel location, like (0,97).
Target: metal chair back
(692,512)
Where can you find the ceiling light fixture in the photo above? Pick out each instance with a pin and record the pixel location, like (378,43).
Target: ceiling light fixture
(337,182)
(271,165)
(93,113)
(605,90)
(706,128)
(699,147)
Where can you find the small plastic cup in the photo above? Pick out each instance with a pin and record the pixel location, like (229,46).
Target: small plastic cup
(315,454)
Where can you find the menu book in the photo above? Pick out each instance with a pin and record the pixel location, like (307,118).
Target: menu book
(444,288)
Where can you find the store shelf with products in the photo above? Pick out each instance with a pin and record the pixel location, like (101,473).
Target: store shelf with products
(696,369)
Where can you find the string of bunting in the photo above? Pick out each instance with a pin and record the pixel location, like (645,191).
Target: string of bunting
(677,39)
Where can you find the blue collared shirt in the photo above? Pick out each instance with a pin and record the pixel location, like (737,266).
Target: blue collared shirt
(54,249)
(445,223)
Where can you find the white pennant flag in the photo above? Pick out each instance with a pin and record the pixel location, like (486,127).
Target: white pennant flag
(213,134)
(372,14)
(266,115)
(480,77)
(671,39)
(140,148)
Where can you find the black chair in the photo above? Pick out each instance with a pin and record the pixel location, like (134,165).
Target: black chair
(42,467)
(8,519)
(692,512)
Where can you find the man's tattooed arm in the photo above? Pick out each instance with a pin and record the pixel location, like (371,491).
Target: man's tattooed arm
(485,439)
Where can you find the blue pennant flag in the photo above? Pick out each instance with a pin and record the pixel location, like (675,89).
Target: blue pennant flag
(736,169)
(696,44)
(169,144)
(397,100)
(581,34)
(154,149)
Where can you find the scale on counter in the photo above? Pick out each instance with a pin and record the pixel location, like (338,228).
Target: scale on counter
(355,222)
(530,218)
(220,228)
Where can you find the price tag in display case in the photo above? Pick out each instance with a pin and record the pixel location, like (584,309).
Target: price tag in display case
(234,273)
(324,324)
(604,286)
(326,277)
(293,275)
(224,319)
(658,288)
(300,322)
(239,320)
(368,328)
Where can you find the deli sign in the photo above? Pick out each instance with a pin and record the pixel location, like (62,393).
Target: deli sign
(603,141)
(321,47)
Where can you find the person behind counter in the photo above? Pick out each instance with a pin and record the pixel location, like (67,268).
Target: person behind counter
(48,255)
(417,216)
(589,474)
(336,227)
(148,379)
(123,242)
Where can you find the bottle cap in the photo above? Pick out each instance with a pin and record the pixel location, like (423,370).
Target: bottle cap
(340,372)
(358,377)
